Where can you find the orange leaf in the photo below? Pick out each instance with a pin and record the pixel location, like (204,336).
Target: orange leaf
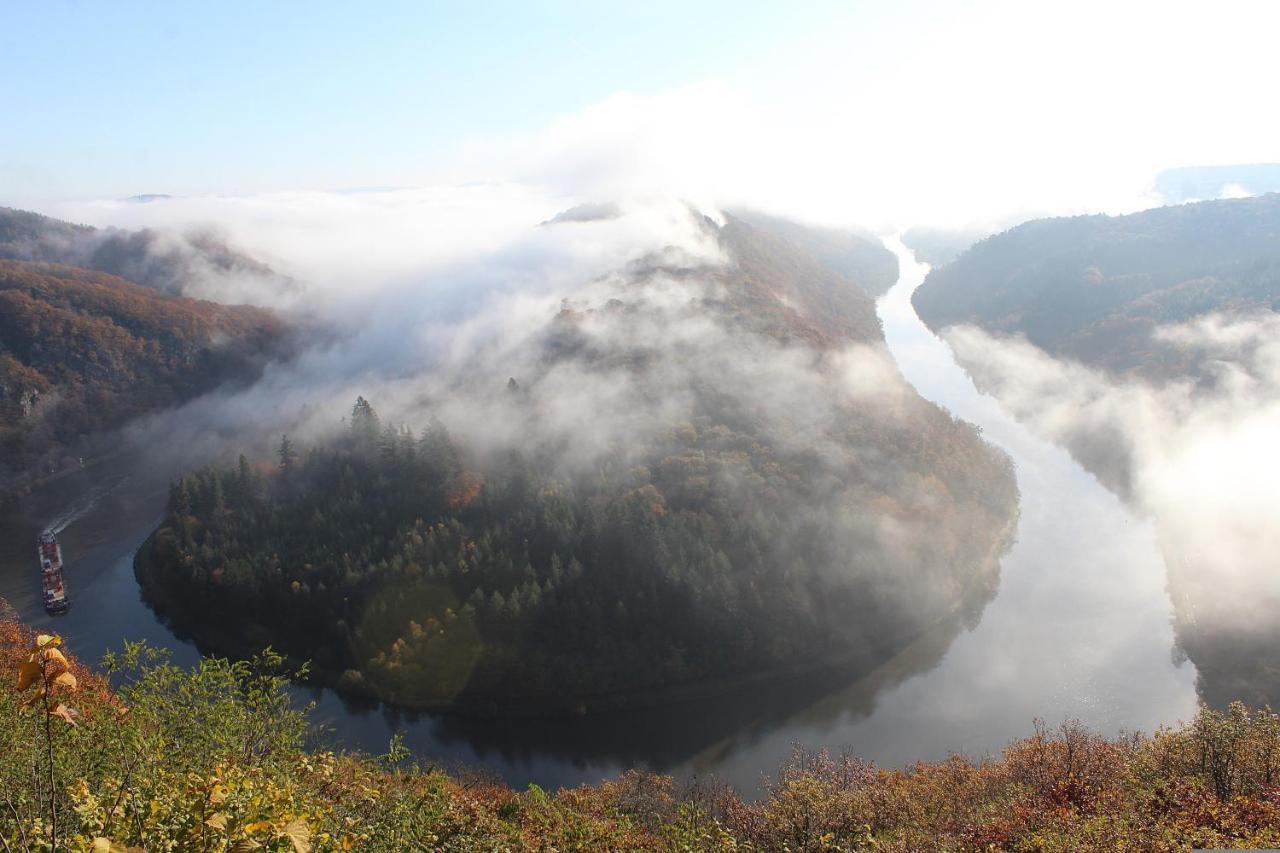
(27,674)
(67,680)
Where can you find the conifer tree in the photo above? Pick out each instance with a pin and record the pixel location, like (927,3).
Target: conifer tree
(287,455)
(366,426)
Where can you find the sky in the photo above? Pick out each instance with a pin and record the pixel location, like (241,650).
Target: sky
(894,112)
(395,159)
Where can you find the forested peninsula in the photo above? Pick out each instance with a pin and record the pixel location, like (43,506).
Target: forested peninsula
(802,508)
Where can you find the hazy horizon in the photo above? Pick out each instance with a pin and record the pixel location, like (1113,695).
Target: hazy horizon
(883,116)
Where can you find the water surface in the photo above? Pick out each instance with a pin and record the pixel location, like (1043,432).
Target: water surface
(1079,628)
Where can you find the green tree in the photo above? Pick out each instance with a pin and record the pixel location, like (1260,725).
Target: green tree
(286,454)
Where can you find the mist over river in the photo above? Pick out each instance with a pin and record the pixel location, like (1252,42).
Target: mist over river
(1080,628)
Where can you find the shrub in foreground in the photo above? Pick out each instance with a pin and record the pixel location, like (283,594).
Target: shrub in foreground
(216,758)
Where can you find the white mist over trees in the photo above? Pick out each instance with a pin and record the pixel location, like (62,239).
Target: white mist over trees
(701,466)
(1147,345)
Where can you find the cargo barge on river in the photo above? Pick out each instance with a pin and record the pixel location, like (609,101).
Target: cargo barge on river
(55,588)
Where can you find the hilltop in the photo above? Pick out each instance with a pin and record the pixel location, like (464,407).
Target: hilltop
(1093,288)
(691,474)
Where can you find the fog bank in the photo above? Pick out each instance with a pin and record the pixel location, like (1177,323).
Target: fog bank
(1197,455)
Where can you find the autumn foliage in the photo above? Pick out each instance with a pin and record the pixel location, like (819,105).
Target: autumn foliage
(82,352)
(214,759)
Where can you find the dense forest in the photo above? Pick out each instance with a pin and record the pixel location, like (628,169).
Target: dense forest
(857,254)
(775,515)
(219,758)
(84,352)
(1093,288)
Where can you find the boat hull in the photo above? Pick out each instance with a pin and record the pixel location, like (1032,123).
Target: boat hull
(51,581)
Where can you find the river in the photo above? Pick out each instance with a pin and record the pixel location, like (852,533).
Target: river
(1080,628)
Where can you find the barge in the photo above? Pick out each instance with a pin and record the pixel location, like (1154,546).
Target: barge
(55,588)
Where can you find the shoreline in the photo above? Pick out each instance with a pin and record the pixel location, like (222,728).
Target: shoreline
(849,666)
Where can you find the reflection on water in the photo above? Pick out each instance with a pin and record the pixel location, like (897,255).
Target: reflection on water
(1080,627)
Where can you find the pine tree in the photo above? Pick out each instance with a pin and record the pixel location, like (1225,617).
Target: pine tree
(366,427)
(180,497)
(288,456)
(388,445)
(217,499)
(244,489)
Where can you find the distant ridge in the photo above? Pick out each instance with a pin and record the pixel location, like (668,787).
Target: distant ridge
(169,262)
(1200,183)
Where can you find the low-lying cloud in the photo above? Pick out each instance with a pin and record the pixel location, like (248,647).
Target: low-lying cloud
(401,285)
(594,343)
(1197,453)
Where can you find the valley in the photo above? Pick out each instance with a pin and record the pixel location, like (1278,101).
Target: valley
(1099,651)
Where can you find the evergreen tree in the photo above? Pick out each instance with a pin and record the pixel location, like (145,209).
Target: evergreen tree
(217,497)
(287,455)
(366,426)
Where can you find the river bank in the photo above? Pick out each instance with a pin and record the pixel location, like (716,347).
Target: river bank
(1079,627)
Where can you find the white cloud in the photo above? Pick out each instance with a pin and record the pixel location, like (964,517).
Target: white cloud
(1201,455)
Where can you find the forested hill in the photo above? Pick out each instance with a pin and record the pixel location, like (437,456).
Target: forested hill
(1174,309)
(171,262)
(82,352)
(689,474)
(1092,288)
(773,286)
(857,255)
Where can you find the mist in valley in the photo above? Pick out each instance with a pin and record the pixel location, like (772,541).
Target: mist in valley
(681,311)
(429,301)
(1196,456)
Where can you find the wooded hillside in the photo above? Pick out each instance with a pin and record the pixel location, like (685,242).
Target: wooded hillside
(84,352)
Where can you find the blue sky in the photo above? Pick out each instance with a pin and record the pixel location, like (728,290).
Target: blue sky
(918,110)
(124,97)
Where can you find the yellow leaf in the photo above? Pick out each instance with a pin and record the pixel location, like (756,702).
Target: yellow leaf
(218,821)
(106,845)
(245,844)
(65,713)
(297,832)
(67,680)
(47,639)
(54,654)
(256,826)
(34,697)
(27,674)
